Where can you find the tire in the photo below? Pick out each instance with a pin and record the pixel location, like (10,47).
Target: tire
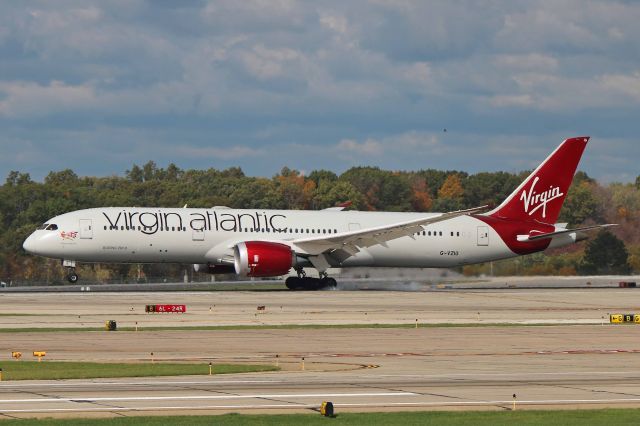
(331,282)
(293,283)
(73,277)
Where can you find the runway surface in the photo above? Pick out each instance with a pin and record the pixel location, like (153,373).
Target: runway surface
(477,366)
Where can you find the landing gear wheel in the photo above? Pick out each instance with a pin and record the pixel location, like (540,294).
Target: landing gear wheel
(72,277)
(330,282)
(306,283)
(293,283)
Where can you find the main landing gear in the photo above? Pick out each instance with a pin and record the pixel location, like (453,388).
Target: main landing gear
(72,276)
(302,282)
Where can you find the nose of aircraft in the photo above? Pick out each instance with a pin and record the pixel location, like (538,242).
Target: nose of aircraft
(29,244)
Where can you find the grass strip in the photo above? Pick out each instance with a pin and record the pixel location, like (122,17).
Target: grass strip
(618,417)
(53,370)
(282,326)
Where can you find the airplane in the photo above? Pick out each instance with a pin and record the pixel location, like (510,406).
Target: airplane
(270,243)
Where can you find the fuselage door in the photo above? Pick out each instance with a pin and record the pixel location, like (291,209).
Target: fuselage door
(198,234)
(86,229)
(354,227)
(483,235)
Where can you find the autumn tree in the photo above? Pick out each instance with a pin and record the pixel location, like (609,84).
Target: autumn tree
(451,188)
(450,194)
(421,200)
(295,191)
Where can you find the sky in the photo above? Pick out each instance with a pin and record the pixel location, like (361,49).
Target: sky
(97,86)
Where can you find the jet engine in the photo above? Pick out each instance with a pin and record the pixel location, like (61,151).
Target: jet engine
(263,259)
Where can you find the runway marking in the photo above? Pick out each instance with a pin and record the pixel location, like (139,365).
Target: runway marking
(338,405)
(586,351)
(207,397)
(525,375)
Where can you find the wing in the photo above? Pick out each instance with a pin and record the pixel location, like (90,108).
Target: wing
(350,243)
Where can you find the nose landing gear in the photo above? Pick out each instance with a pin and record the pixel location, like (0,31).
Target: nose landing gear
(72,276)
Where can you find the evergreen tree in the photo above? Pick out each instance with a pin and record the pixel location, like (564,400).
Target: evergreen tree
(605,254)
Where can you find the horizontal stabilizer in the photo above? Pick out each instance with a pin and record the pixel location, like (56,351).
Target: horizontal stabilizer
(534,236)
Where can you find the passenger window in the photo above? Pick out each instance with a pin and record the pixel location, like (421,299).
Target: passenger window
(441,233)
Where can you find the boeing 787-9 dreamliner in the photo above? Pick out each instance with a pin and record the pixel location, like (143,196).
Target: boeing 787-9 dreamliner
(270,243)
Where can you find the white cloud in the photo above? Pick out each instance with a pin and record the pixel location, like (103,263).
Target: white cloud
(626,85)
(527,62)
(29,99)
(264,63)
(369,147)
(511,100)
(409,142)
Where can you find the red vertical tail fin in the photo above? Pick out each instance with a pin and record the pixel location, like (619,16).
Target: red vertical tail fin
(540,197)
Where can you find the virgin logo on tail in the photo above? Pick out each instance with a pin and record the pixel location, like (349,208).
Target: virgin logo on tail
(533,200)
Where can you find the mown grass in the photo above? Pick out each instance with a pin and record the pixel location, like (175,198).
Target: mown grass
(618,417)
(53,370)
(279,326)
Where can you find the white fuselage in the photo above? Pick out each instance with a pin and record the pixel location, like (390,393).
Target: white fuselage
(200,236)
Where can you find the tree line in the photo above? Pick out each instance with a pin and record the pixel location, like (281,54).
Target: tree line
(25,204)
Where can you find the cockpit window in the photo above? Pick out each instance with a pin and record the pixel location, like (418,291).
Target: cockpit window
(51,227)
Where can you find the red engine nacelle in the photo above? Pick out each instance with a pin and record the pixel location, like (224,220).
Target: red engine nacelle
(262,259)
